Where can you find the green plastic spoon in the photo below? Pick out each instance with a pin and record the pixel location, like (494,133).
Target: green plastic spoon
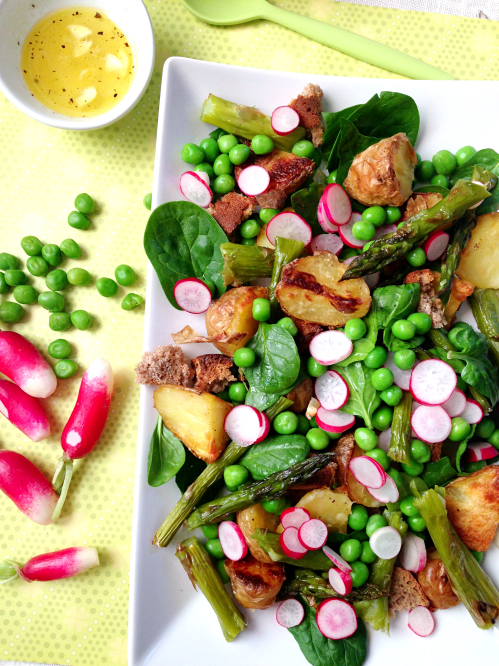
(231,12)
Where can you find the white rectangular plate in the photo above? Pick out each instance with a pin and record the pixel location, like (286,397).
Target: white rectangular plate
(169,622)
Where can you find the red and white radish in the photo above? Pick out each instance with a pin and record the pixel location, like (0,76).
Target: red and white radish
(348,260)
(340,581)
(192,295)
(421,621)
(23,363)
(243,424)
(264,428)
(334,420)
(253,180)
(337,205)
(331,390)
(401,378)
(60,564)
(284,120)
(336,619)
(384,439)
(330,347)
(372,280)
(346,233)
(386,542)
(413,553)
(368,472)
(232,540)
(295,516)
(432,382)
(313,534)
(195,189)
(290,613)
(289,225)
(480,451)
(204,176)
(436,245)
(337,560)
(384,230)
(290,543)
(329,242)
(455,405)
(328,226)
(26,486)
(431,424)
(387,493)
(472,413)
(23,411)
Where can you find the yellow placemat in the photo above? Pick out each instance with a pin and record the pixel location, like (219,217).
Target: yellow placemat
(83,620)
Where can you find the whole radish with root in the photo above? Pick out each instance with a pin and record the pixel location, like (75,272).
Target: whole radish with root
(85,425)
(23,363)
(51,566)
(23,411)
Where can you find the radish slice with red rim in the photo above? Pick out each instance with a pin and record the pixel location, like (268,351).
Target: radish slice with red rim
(413,553)
(244,425)
(421,621)
(348,260)
(195,189)
(372,280)
(289,225)
(431,424)
(336,619)
(313,534)
(432,382)
(330,347)
(192,295)
(480,451)
(264,428)
(401,378)
(328,226)
(384,439)
(334,420)
(331,390)
(336,203)
(290,543)
(346,233)
(204,176)
(336,559)
(472,413)
(387,493)
(384,230)
(340,581)
(386,542)
(284,120)
(290,613)
(232,540)
(368,472)
(329,242)
(456,404)
(253,180)
(436,245)
(294,517)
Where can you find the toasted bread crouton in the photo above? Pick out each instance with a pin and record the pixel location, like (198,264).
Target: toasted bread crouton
(255,584)
(212,372)
(461,289)
(344,453)
(164,365)
(301,395)
(308,105)
(306,331)
(231,210)
(473,507)
(419,202)
(436,451)
(427,302)
(405,592)
(324,478)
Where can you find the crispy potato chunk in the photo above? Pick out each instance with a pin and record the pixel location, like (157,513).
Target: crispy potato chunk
(251,518)
(301,395)
(310,290)
(233,313)
(346,449)
(195,417)
(262,239)
(473,507)
(255,584)
(382,175)
(460,291)
(436,584)
(331,506)
(419,202)
(479,258)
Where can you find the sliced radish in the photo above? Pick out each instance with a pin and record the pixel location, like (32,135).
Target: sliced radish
(328,226)
(243,425)
(264,428)
(340,581)
(386,542)
(387,493)
(290,543)
(331,390)
(421,621)
(336,619)
(436,245)
(456,404)
(290,613)
(232,540)
(348,260)
(346,233)
(204,176)
(329,242)
(313,534)
(337,206)
(288,225)
(431,424)
(368,472)
(195,189)
(330,347)
(384,439)
(384,230)
(192,295)
(284,120)
(334,421)
(253,180)
(480,451)
(401,378)
(372,280)
(432,382)
(413,553)
(472,413)
(294,517)
(337,560)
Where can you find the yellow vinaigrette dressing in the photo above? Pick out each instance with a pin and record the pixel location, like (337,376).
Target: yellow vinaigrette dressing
(78,62)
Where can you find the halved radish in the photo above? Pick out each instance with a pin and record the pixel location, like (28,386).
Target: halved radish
(421,621)
(431,424)
(192,295)
(480,451)
(244,425)
(330,347)
(264,428)
(384,230)
(432,382)
(455,405)
(401,378)
(290,543)
(337,560)
(289,225)
(331,390)
(368,472)
(294,517)
(195,189)
(290,613)
(346,233)
(204,176)
(472,413)
(313,534)
(340,581)
(386,542)
(328,226)
(284,120)
(329,242)
(372,280)
(348,260)
(436,245)
(334,420)
(387,493)
(232,540)
(337,206)
(253,180)
(384,439)
(413,553)
(336,619)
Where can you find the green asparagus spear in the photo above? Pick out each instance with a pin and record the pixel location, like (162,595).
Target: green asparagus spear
(400,441)
(280,406)
(307,583)
(286,250)
(485,307)
(202,573)
(269,542)
(462,234)
(243,263)
(273,487)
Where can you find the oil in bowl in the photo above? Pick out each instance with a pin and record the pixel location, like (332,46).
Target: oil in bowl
(78,62)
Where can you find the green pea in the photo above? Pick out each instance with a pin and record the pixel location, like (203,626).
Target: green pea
(206,168)
(425,171)
(404,329)
(314,368)
(288,324)
(15,277)
(266,214)
(355,329)
(261,309)
(472,467)
(57,280)
(147,200)
(37,266)
(417,257)
(392,395)
(70,249)
(51,301)
(244,357)
(214,548)
(396,476)
(376,358)
(477,555)
(65,369)
(237,392)
(363,230)
(441,181)
(106,287)
(31,245)
(235,475)
(125,275)
(367,556)
(464,154)
(210,531)
(60,348)
(374,523)
(239,154)
(261,144)
(59,321)
(375,214)
(274,506)
(444,162)
(25,294)
(303,425)
(285,423)
(404,359)
(222,165)
(10,313)
(460,429)
(421,321)
(407,506)
(420,452)
(78,221)
(416,523)
(414,468)
(332,177)
(224,184)
(382,418)
(4,287)
(366,439)
(8,262)
(81,320)
(250,229)
(248,241)
(357,520)
(52,254)
(220,567)
(78,277)
(192,154)
(303,148)
(226,142)
(131,301)
(317,439)
(484,429)
(350,550)
(380,457)
(210,149)
(359,573)
(84,204)
(382,379)
(393,214)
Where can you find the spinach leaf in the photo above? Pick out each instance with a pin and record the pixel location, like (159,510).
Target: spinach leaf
(364,398)
(392,303)
(478,371)
(166,455)
(332,122)
(321,651)
(438,473)
(305,203)
(182,240)
(462,448)
(487,159)
(275,454)
(262,401)
(350,143)
(277,363)
(361,349)
(190,471)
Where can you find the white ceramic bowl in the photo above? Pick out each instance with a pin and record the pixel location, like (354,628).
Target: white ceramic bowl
(17,17)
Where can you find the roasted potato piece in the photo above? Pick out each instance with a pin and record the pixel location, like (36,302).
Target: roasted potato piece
(479,258)
(460,291)
(195,417)
(301,395)
(346,449)
(233,313)
(473,507)
(331,506)
(251,518)
(436,584)
(255,584)
(382,175)
(262,239)
(310,289)
(419,202)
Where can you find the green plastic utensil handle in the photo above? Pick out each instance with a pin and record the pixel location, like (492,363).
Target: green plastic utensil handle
(356,46)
